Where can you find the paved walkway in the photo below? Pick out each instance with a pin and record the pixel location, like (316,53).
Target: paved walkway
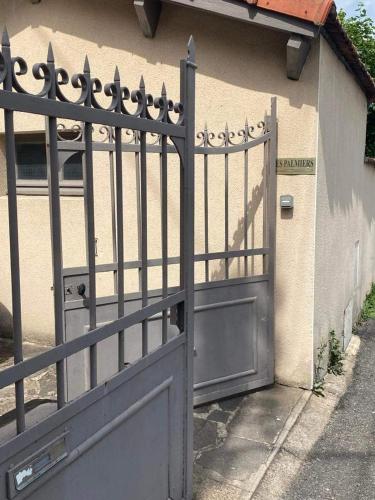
(234,438)
(340,465)
(41,387)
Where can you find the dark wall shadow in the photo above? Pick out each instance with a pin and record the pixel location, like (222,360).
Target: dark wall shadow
(238,235)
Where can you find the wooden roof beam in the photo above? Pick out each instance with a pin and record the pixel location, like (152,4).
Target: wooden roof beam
(297,50)
(148,12)
(251,14)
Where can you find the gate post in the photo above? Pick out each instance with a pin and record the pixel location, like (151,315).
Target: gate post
(188,68)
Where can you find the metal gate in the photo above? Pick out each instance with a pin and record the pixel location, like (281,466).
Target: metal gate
(234,299)
(125,430)
(233,310)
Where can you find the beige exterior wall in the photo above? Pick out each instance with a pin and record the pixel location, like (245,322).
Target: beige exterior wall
(345,200)
(239,69)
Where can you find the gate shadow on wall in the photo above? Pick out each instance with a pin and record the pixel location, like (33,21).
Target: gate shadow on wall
(238,235)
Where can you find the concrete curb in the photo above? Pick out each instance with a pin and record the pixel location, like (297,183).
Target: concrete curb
(291,420)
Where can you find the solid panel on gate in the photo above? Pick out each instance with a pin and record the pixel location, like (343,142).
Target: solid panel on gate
(228,341)
(119,461)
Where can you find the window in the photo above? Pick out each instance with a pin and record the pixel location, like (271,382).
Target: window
(72,168)
(31,158)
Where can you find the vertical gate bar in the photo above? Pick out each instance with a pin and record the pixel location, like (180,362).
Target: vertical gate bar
(205,166)
(10,152)
(144,270)
(88,182)
(113,206)
(266,180)
(56,238)
(246,196)
(226,215)
(188,68)
(139,208)
(271,215)
(120,229)
(164,216)
(182,194)
(266,194)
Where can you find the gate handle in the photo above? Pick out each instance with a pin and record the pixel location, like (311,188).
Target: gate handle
(81,289)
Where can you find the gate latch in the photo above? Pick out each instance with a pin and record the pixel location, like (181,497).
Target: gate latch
(177,315)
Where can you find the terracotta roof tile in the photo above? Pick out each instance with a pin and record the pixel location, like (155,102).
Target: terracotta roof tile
(315,11)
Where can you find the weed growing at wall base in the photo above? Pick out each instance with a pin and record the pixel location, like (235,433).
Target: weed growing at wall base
(318,387)
(368,309)
(336,356)
(335,364)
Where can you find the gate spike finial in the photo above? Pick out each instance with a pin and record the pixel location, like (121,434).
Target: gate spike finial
(86,66)
(50,55)
(226,134)
(191,49)
(247,131)
(5,42)
(163,90)
(205,134)
(142,83)
(117,75)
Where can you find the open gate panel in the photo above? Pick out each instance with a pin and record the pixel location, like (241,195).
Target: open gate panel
(124,432)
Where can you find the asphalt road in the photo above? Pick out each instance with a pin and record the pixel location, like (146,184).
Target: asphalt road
(341,465)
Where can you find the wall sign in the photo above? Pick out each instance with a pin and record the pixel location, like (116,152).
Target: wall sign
(295,166)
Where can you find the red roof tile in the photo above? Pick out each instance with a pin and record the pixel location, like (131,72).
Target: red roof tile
(315,11)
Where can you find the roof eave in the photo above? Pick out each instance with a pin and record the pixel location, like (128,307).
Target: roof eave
(232,9)
(321,19)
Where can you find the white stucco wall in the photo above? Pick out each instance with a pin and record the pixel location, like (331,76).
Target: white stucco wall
(345,211)
(239,69)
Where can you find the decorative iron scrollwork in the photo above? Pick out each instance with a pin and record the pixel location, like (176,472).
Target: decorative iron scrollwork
(205,138)
(228,138)
(55,79)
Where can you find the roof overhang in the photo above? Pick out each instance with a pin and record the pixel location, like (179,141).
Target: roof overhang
(251,14)
(301,32)
(302,20)
(148,12)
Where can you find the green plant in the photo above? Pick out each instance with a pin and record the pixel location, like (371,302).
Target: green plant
(318,387)
(336,356)
(368,308)
(361,30)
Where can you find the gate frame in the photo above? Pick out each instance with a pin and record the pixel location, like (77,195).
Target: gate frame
(51,103)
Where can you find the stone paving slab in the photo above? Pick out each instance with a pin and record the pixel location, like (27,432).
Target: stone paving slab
(41,386)
(234,438)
